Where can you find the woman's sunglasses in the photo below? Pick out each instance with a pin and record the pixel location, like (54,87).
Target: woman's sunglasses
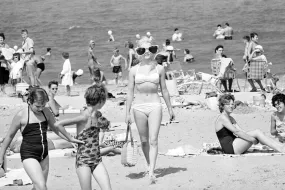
(151,49)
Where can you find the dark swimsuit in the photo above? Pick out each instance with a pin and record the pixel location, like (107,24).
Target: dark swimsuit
(34,143)
(41,66)
(88,154)
(226,138)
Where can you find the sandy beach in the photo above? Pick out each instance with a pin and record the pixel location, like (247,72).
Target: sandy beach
(195,127)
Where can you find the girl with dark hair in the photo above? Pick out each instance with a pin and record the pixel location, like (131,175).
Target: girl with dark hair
(233,139)
(33,122)
(277,118)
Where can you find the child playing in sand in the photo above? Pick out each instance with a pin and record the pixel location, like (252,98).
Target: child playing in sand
(116,64)
(277,118)
(16,68)
(88,158)
(66,74)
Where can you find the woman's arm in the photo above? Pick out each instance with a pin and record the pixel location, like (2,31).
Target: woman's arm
(273,130)
(54,107)
(14,127)
(111,61)
(228,124)
(126,63)
(165,92)
(130,97)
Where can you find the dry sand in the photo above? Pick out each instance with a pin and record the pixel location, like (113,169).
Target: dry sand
(194,128)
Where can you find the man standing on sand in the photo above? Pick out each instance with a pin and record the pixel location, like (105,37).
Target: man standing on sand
(228,32)
(253,42)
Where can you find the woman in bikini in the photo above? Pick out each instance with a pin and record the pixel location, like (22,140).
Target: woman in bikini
(88,158)
(146,77)
(233,139)
(92,60)
(33,122)
(278,117)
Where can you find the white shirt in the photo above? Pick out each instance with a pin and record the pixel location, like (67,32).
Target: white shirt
(177,37)
(16,68)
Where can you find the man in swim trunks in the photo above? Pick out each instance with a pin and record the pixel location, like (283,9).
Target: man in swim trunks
(228,32)
(116,64)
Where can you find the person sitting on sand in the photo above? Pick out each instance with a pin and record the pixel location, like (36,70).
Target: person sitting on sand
(98,76)
(177,36)
(146,77)
(219,33)
(33,122)
(52,104)
(233,139)
(88,158)
(188,58)
(116,65)
(277,118)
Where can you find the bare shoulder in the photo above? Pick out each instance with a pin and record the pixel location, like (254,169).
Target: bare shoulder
(160,68)
(134,69)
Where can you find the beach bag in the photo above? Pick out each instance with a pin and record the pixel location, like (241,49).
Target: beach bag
(129,154)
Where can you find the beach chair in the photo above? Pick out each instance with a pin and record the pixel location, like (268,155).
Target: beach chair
(256,71)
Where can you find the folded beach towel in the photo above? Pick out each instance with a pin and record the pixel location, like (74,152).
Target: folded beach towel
(15,174)
(182,151)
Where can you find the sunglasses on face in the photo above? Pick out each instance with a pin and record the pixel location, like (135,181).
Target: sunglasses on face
(54,88)
(151,49)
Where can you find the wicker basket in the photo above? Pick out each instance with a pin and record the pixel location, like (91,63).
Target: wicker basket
(129,154)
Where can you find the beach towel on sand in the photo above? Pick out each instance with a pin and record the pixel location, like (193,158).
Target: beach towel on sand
(15,174)
(214,149)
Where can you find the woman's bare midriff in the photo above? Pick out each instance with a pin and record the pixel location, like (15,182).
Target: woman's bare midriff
(146,93)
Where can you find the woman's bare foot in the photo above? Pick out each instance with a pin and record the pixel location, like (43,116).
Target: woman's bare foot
(152,179)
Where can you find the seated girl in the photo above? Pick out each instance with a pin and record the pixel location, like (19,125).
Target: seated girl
(277,118)
(235,140)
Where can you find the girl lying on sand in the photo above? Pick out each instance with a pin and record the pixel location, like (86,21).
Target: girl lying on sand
(235,140)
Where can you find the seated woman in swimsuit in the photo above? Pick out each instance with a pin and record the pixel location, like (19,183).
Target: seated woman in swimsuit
(278,117)
(235,140)
(33,122)
(147,76)
(88,158)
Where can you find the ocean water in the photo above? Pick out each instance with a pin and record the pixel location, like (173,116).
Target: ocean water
(69,25)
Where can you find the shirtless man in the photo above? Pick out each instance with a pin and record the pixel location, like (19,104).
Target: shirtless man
(92,60)
(116,64)
(228,32)
(177,36)
(253,42)
(35,66)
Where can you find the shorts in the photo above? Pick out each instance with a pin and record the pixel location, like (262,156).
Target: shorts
(41,66)
(117,69)
(228,37)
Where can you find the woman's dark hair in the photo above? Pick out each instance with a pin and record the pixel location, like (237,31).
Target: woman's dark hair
(253,34)
(65,55)
(37,94)
(159,59)
(16,54)
(167,42)
(24,30)
(247,38)
(2,57)
(187,51)
(278,98)
(224,56)
(2,35)
(218,47)
(48,49)
(219,25)
(103,123)
(225,99)
(95,94)
(52,82)
(131,45)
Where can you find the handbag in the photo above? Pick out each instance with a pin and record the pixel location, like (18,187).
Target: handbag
(129,155)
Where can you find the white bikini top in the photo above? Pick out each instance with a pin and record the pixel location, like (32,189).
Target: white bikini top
(142,78)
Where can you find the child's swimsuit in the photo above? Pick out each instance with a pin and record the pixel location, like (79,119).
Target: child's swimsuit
(34,143)
(88,154)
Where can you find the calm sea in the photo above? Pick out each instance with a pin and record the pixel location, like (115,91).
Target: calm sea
(69,25)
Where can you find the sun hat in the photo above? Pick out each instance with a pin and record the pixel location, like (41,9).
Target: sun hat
(110,32)
(148,34)
(259,47)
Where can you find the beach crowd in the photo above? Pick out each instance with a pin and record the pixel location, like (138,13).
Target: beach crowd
(148,68)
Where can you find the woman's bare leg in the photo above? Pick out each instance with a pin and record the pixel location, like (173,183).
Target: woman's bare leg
(84,176)
(240,145)
(102,177)
(154,121)
(35,172)
(263,139)
(142,125)
(37,77)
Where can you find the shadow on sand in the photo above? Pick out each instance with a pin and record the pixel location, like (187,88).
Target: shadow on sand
(160,172)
